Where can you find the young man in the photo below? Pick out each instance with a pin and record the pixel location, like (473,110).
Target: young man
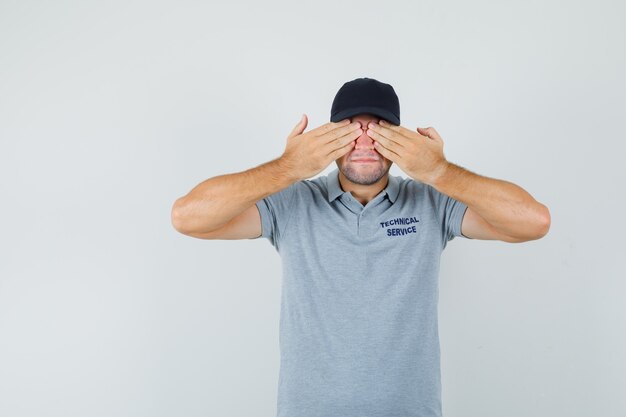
(360,251)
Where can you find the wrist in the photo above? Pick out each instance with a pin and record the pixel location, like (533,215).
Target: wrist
(439,174)
(286,169)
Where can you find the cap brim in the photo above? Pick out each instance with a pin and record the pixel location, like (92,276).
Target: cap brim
(382,113)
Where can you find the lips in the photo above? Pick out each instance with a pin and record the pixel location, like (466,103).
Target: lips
(364,159)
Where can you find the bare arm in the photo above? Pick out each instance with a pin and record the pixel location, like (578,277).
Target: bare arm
(222,207)
(214,202)
(497,209)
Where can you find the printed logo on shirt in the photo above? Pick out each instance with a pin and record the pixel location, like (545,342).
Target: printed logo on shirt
(407,223)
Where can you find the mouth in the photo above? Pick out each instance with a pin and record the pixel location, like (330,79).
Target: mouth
(365,159)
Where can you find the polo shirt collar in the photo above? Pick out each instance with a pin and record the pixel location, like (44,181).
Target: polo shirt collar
(334,188)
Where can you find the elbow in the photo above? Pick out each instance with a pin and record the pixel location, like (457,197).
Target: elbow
(176,216)
(540,228)
(543,223)
(546,220)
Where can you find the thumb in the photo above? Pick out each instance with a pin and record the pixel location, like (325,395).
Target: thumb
(428,131)
(300,126)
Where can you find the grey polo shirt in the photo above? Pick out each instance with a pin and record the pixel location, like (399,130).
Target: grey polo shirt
(358,330)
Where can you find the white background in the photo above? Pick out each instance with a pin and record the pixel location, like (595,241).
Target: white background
(109,111)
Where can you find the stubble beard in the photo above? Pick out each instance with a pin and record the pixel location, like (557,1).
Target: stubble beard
(363,177)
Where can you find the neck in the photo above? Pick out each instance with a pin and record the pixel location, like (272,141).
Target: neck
(363,193)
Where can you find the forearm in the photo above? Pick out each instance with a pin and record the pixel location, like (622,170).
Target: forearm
(504,205)
(214,202)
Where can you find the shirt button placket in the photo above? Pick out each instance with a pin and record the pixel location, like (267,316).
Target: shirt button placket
(358,222)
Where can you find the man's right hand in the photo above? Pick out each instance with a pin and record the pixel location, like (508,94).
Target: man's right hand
(308,154)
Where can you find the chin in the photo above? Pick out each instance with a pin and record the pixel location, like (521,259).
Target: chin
(362,173)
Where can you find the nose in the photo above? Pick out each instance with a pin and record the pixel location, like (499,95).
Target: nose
(364,141)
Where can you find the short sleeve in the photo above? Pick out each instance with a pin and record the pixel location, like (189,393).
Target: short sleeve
(275,211)
(450,213)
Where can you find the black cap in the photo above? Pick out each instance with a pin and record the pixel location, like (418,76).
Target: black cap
(366,95)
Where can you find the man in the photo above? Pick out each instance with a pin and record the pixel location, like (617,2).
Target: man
(360,251)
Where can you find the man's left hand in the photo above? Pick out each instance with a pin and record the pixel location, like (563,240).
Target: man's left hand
(419,154)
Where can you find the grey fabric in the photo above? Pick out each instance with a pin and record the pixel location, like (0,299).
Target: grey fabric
(358,324)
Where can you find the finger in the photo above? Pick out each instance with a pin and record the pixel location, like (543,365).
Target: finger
(300,126)
(333,135)
(430,132)
(387,143)
(422,133)
(327,127)
(338,153)
(388,125)
(401,131)
(343,141)
(377,131)
(386,152)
